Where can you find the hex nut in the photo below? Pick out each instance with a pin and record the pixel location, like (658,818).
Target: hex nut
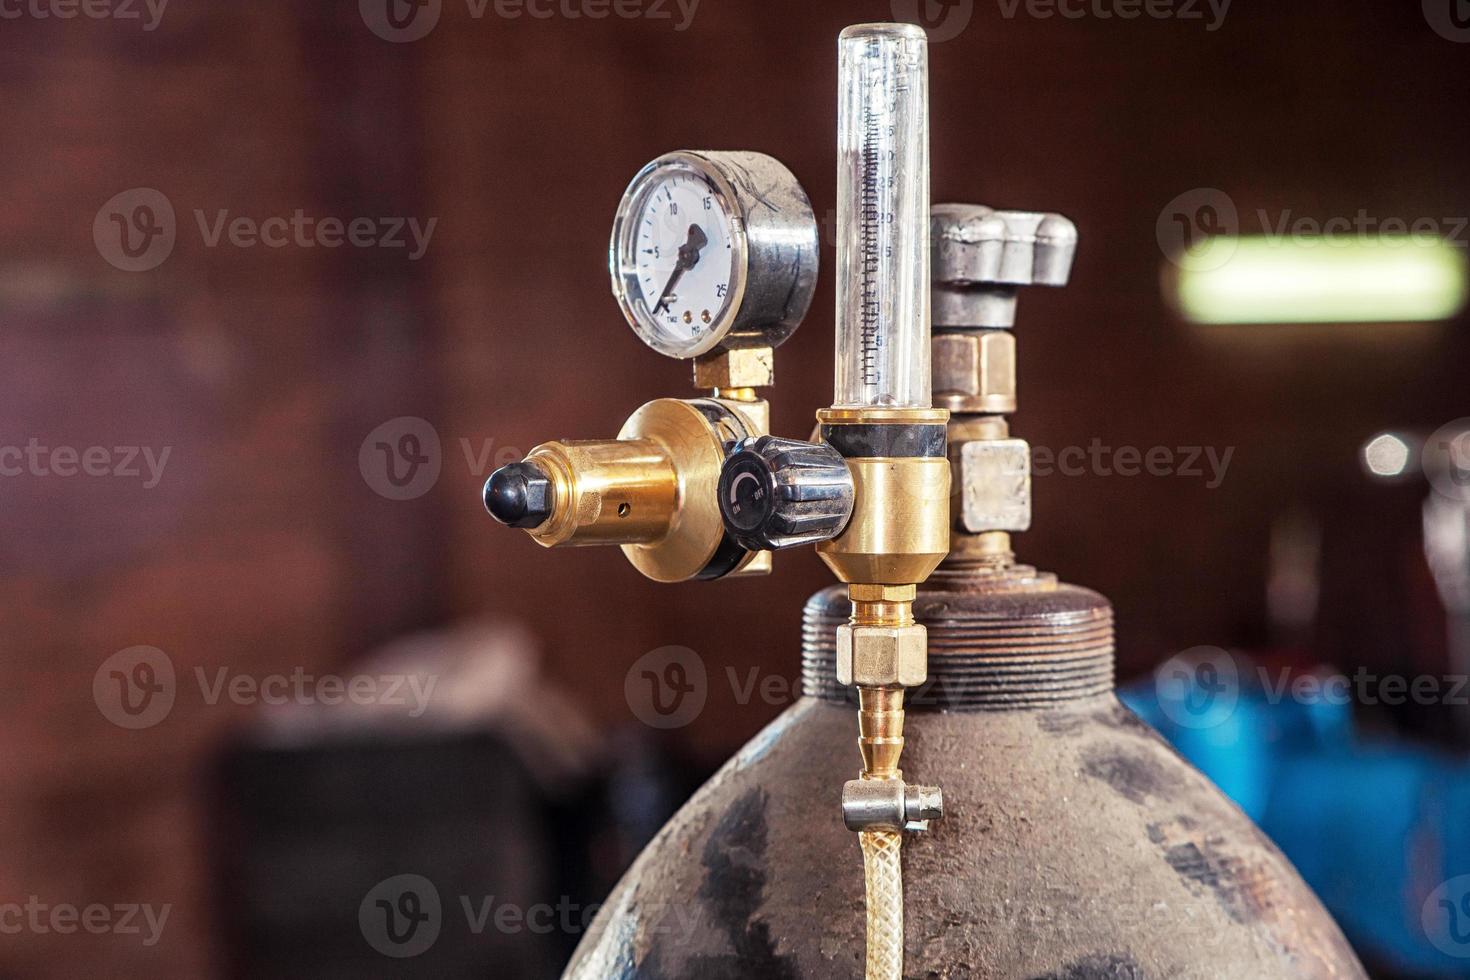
(995,485)
(745,367)
(975,371)
(866,592)
(882,656)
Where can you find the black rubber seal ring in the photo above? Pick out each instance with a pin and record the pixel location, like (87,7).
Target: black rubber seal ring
(726,557)
(864,440)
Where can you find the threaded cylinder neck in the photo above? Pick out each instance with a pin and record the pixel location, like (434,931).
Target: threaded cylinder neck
(988,649)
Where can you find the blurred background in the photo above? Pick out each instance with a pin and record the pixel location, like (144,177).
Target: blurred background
(281,283)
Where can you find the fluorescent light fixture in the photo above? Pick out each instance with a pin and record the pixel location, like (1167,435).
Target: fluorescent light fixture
(1260,279)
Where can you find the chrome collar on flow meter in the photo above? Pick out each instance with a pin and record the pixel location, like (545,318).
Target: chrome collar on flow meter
(713,258)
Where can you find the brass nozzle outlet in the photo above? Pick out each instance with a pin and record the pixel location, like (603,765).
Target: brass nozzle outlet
(880,731)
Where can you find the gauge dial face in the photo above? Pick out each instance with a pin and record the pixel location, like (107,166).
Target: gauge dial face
(678,258)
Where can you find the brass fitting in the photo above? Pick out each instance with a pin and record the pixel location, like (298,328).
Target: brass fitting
(899,529)
(975,372)
(882,605)
(880,731)
(897,535)
(744,367)
(606,492)
(652,490)
(866,592)
(882,656)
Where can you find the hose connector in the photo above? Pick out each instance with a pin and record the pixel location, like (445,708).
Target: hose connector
(890,804)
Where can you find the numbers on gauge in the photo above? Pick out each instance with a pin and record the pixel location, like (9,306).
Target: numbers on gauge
(693,232)
(682,258)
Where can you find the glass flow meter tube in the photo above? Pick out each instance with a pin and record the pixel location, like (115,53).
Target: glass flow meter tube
(882,218)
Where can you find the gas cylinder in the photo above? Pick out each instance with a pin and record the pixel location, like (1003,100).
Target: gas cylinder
(1076,844)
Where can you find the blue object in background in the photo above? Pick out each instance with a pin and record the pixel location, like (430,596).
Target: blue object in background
(1379,828)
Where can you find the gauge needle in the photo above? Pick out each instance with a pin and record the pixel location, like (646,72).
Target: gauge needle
(688,257)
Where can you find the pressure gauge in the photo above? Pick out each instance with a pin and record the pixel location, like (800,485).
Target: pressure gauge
(713,250)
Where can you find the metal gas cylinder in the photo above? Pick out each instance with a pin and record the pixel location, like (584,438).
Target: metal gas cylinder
(1076,843)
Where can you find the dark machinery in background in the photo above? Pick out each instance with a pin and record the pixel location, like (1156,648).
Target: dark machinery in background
(1377,823)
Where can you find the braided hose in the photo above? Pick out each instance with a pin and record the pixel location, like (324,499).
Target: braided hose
(883,877)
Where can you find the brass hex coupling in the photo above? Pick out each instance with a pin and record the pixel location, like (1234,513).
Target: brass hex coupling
(741,370)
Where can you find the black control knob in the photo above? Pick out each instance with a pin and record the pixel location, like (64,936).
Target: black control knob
(780,493)
(519,494)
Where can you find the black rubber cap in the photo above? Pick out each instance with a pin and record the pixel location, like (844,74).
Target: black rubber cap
(519,495)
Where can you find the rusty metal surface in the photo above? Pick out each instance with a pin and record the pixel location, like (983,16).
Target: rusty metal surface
(1076,845)
(987,649)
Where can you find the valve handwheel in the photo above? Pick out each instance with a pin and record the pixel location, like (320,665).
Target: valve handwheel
(781,493)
